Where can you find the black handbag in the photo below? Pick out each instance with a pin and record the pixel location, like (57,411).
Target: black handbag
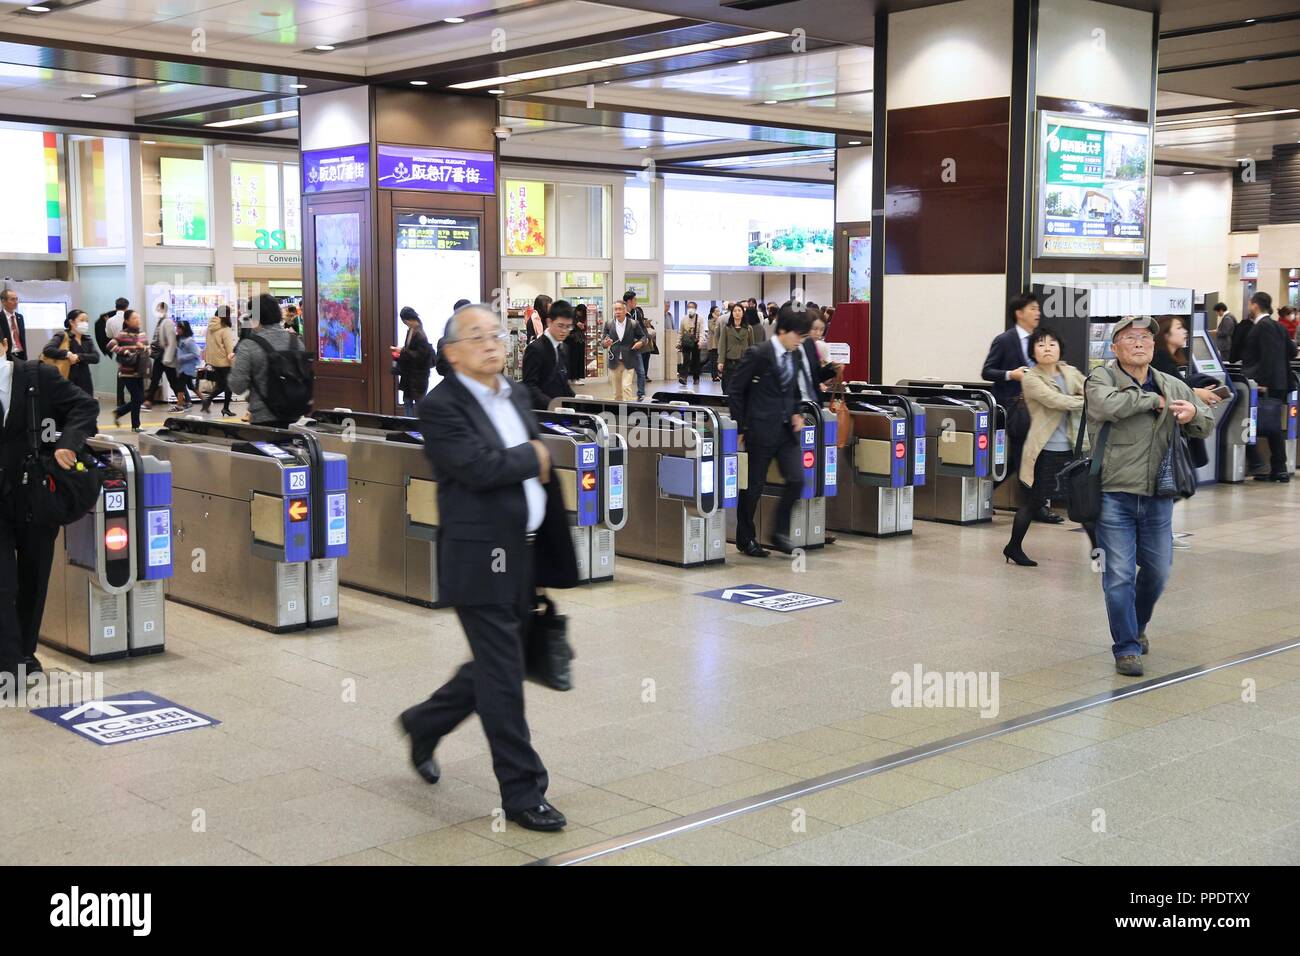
(1083,475)
(547,652)
(1018,422)
(1177,475)
(53,495)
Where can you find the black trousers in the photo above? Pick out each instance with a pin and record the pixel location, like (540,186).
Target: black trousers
(1270,427)
(159,370)
(785,449)
(690,367)
(135,389)
(220,384)
(492,684)
(26,554)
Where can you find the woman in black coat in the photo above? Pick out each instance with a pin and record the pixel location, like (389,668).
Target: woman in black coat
(414,359)
(74,351)
(577,344)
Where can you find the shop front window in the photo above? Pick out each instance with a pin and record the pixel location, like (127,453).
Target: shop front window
(255,206)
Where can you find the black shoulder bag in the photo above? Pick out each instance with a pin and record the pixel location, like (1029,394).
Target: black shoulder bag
(1082,476)
(54,495)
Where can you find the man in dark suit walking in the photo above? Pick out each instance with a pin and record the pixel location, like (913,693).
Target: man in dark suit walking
(762,396)
(546,367)
(26,548)
(13,328)
(503,532)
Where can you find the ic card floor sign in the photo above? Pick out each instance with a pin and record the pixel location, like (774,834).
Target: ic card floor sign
(123,718)
(771,599)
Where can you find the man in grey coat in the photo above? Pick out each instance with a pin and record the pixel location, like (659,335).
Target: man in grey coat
(251,370)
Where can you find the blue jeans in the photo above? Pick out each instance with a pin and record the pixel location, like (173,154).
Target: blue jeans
(640,363)
(1136,541)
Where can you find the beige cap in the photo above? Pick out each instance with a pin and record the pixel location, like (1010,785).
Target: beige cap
(1134,322)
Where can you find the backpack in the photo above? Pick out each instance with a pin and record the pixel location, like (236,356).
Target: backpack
(289,379)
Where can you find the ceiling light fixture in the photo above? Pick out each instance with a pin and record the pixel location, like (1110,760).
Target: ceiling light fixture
(855,142)
(453,19)
(1231,116)
(324,47)
(419,82)
(769,102)
(298,86)
(497,92)
(38,9)
(251,120)
(87,96)
(1188,172)
(618,60)
(741,62)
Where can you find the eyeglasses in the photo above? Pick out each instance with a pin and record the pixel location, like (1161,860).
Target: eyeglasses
(483,338)
(1137,338)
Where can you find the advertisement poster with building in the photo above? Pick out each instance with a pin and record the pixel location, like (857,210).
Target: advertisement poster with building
(1092,187)
(338,286)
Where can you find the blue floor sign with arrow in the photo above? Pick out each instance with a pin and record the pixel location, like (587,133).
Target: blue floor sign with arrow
(771,599)
(125,717)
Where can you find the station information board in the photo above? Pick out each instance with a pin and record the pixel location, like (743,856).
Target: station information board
(437,261)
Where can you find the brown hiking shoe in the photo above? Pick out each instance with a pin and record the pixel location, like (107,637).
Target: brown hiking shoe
(1146,645)
(1130,665)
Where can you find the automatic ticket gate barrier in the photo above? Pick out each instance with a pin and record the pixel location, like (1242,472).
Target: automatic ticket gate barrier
(819,452)
(390,482)
(884,462)
(1240,426)
(260,521)
(682,476)
(105,597)
(965,450)
(1288,412)
(590,463)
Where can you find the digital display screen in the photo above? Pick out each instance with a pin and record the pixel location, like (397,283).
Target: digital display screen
(33,218)
(722,225)
(615,487)
(708,479)
(338,287)
(1092,187)
(1201,350)
(275,451)
(184,185)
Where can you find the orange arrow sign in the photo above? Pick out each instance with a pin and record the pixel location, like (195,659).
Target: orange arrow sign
(298,509)
(588,480)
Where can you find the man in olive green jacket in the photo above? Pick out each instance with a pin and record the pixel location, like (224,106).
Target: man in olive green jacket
(1135,528)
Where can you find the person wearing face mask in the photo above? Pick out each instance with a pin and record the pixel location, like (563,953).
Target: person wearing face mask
(27,547)
(691,337)
(74,351)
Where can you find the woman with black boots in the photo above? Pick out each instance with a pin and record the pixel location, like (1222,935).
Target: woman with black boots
(1053,394)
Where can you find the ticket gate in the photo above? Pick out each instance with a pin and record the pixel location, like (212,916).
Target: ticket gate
(1204,359)
(682,476)
(105,597)
(884,462)
(391,482)
(1288,412)
(965,449)
(1240,426)
(820,453)
(260,521)
(590,463)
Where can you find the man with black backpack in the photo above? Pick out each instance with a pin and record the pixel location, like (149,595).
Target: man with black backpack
(274,367)
(27,531)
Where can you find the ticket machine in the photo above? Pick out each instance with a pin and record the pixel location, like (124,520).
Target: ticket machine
(1204,359)
(681,477)
(260,521)
(965,449)
(105,597)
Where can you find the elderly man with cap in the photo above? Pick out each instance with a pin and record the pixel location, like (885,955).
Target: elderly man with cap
(1135,528)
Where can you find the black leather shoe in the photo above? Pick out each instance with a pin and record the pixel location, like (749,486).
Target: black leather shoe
(783,543)
(753,550)
(1047,516)
(543,817)
(422,758)
(33,665)
(831,539)
(1281,476)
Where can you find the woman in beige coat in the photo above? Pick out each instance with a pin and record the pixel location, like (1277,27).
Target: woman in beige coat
(220,356)
(1053,394)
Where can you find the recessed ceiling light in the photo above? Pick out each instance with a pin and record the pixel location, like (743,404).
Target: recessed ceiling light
(741,62)
(419,82)
(87,96)
(855,142)
(38,9)
(149,142)
(453,19)
(497,92)
(643,147)
(1188,172)
(298,86)
(324,47)
(251,120)
(769,102)
(1250,20)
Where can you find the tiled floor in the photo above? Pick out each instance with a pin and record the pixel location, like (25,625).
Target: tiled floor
(683,704)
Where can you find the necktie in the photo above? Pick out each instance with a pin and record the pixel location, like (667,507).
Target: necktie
(561,366)
(14,335)
(787,370)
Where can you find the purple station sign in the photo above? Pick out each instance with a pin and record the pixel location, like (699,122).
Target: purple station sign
(331,170)
(436,169)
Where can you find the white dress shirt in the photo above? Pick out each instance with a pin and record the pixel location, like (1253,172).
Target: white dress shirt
(1024,351)
(6,387)
(512,431)
(797,367)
